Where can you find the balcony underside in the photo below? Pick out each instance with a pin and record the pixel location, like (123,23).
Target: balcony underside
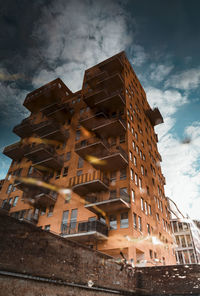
(57,112)
(91,81)
(112,128)
(111,162)
(50,130)
(15,152)
(110,104)
(155,116)
(95,150)
(23,130)
(91,98)
(57,135)
(89,187)
(108,206)
(38,154)
(114,65)
(111,83)
(44,200)
(93,121)
(50,162)
(86,236)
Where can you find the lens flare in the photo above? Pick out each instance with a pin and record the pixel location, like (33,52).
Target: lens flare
(95,160)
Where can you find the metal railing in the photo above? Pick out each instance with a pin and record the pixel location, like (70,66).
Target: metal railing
(84,227)
(84,178)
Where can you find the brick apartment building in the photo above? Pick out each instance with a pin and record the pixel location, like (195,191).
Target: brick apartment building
(100,143)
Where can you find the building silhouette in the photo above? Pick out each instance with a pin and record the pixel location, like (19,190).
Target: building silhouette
(87,166)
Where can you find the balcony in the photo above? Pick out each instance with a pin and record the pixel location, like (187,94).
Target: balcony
(95,77)
(89,183)
(112,65)
(111,83)
(4,206)
(15,151)
(110,103)
(92,121)
(115,160)
(154,116)
(46,95)
(92,147)
(45,200)
(50,130)
(113,204)
(110,128)
(24,129)
(84,231)
(58,112)
(92,97)
(44,155)
(30,215)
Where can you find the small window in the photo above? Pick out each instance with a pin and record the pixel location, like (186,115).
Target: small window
(65,171)
(124,220)
(136,179)
(139,223)
(47,227)
(10,201)
(133,195)
(113,176)
(80,162)
(123,174)
(9,190)
(150,212)
(113,222)
(58,174)
(79,172)
(131,155)
(131,173)
(142,203)
(30,170)
(148,229)
(68,156)
(135,161)
(134,220)
(50,213)
(78,135)
(15,201)
(146,208)
(142,170)
(113,194)
(151,254)
(133,144)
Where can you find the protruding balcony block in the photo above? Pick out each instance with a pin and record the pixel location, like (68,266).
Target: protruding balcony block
(155,116)
(45,200)
(110,103)
(92,147)
(52,131)
(58,112)
(95,77)
(94,96)
(110,128)
(16,151)
(89,183)
(4,206)
(93,121)
(85,231)
(113,204)
(46,95)
(24,129)
(111,83)
(44,155)
(112,65)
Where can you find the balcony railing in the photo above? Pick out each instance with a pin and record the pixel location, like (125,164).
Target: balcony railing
(46,95)
(92,147)
(44,155)
(30,215)
(90,122)
(58,112)
(85,230)
(95,77)
(112,204)
(154,116)
(90,98)
(4,205)
(50,130)
(24,129)
(16,151)
(110,128)
(111,65)
(111,83)
(111,103)
(89,183)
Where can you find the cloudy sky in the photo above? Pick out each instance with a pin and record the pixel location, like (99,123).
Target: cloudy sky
(42,40)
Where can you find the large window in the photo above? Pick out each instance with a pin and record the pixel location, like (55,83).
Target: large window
(73,218)
(124,220)
(113,222)
(15,201)
(64,221)
(80,162)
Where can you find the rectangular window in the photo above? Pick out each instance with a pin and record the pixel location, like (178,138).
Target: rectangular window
(150,212)
(134,221)
(78,173)
(15,201)
(136,179)
(64,221)
(113,222)
(148,229)
(136,136)
(58,174)
(113,194)
(68,156)
(80,162)
(140,223)
(131,156)
(142,203)
(135,161)
(30,170)
(133,144)
(78,135)
(50,213)
(142,170)
(123,174)
(113,176)
(145,208)
(137,149)
(151,254)
(65,171)
(73,218)
(133,195)
(140,183)
(9,190)
(47,227)
(131,172)
(124,220)
(132,130)
(157,217)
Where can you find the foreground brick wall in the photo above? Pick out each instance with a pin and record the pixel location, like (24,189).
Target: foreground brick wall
(28,250)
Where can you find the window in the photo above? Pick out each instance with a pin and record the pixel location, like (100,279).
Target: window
(79,173)
(133,195)
(81,110)
(141,154)
(58,174)
(150,212)
(148,229)
(64,221)
(123,174)
(122,139)
(78,135)
(50,213)
(142,203)
(47,227)
(10,201)
(151,254)
(137,149)
(136,179)
(140,183)
(134,220)
(80,162)
(113,222)
(131,156)
(142,170)
(123,191)
(136,135)
(155,255)
(135,161)
(157,217)
(133,144)
(9,190)
(65,171)
(73,219)
(143,157)
(43,211)
(113,194)
(124,220)
(148,190)
(30,170)
(68,156)
(140,223)
(129,127)
(132,130)
(131,172)
(15,201)
(113,176)
(145,208)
